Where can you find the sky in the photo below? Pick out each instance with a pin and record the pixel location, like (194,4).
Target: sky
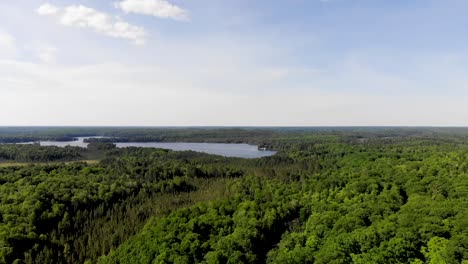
(234,63)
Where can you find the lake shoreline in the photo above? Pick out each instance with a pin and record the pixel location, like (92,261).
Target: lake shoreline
(237,150)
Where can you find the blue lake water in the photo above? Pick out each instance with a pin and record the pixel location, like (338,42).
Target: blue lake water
(77,143)
(223,149)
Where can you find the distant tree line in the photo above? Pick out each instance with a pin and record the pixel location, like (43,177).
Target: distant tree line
(36,153)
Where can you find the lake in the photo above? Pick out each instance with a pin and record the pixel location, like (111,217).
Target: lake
(223,149)
(77,143)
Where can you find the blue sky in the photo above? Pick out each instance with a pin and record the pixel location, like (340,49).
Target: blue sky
(207,62)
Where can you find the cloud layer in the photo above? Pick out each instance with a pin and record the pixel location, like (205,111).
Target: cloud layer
(47,9)
(121,94)
(313,67)
(7,45)
(47,54)
(85,17)
(157,8)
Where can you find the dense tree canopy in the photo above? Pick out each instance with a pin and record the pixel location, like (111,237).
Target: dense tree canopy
(36,153)
(335,203)
(370,196)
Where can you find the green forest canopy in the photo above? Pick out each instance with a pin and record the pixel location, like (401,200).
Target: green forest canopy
(355,195)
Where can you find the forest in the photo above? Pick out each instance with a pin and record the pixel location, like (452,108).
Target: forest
(330,195)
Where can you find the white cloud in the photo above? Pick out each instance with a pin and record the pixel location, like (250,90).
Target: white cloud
(47,54)
(84,17)
(8,47)
(47,9)
(157,8)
